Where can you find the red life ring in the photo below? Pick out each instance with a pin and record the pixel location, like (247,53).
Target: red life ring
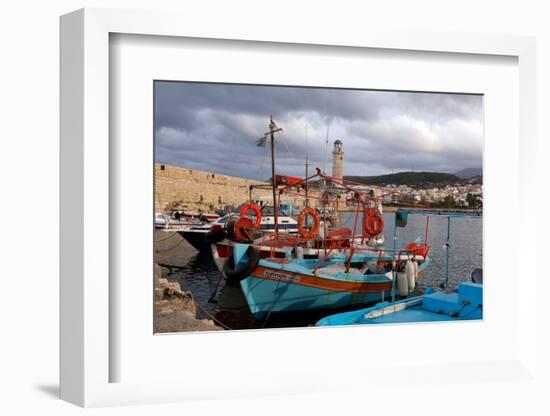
(373,222)
(256,209)
(305,233)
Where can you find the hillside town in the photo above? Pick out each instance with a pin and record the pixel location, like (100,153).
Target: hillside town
(462,195)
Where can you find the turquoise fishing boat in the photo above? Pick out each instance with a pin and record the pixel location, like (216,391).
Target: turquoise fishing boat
(295,286)
(348,279)
(464,303)
(292,285)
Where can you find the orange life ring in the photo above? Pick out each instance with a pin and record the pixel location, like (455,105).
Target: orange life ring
(256,209)
(373,222)
(305,233)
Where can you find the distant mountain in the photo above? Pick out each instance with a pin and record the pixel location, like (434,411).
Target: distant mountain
(406,178)
(469,173)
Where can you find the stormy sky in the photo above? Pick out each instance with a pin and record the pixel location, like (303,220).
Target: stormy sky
(214,127)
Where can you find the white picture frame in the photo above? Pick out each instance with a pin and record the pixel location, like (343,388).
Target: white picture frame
(86,353)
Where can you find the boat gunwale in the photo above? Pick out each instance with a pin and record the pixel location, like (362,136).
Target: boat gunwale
(322,282)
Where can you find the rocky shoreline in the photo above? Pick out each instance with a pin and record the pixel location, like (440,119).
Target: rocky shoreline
(175,310)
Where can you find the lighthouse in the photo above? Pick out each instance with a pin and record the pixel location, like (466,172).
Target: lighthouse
(338,160)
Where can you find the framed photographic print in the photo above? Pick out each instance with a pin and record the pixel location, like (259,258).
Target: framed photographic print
(318,214)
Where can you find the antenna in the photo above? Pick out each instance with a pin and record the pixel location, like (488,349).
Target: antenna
(326,143)
(305,125)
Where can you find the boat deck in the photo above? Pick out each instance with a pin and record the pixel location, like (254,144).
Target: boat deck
(407,315)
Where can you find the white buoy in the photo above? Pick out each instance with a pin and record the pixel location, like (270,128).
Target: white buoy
(299,252)
(402,284)
(322,230)
(411,275)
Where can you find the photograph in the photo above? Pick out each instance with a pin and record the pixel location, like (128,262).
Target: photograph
(289,206)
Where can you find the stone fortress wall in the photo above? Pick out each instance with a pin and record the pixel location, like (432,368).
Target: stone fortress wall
(199,190)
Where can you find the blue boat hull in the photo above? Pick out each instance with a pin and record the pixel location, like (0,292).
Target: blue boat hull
(264,296)
(291,285)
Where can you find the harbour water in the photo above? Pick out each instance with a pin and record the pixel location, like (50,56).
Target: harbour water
(225,304)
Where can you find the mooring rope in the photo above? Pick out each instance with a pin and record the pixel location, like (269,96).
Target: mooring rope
(275,298)
(213,294)
(171,248)
(167,238)
(210,316)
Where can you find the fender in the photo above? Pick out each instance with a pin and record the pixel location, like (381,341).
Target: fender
(243,269)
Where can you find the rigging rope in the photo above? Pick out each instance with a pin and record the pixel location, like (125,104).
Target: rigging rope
(261,166)
(282,136)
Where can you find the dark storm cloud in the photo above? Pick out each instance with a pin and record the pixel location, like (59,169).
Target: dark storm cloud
(214,127)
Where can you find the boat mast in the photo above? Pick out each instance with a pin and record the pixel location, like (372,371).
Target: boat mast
(324,206)
(307,164)
(272,130)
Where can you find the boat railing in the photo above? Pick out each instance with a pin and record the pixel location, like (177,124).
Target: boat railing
(395,253)
(291,242)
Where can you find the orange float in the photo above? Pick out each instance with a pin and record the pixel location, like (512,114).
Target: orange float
(373,222)
(308,212)
(417,249)
(256,210)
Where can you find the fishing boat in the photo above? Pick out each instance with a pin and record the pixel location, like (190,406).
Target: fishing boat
(345,274)
(463,303)
(348,278)
(198,235)
(218,234)
(293,284)
(325,266)
(173,221)
(179,219)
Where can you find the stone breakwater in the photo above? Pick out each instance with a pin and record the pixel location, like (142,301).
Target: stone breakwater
(199,190)
(175,310)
